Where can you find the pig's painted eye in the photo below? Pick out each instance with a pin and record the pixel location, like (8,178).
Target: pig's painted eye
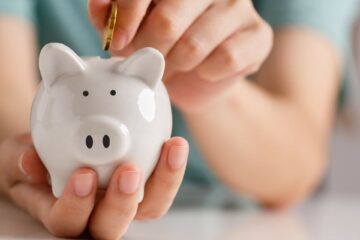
(85,93)
(112,92)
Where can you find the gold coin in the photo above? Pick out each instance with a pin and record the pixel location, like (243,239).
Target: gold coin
(110,26)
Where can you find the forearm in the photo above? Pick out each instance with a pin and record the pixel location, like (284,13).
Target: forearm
(268,138)
(14,112)
(259,145)
(17,76)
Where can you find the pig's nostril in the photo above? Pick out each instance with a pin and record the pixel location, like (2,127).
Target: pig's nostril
(106,141)
(89,141)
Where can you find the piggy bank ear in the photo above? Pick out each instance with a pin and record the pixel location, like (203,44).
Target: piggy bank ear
(147,64)
(56,60)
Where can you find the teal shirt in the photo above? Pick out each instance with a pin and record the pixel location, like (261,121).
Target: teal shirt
(66,21)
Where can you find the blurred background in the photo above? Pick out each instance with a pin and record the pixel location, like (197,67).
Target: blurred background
(344,166)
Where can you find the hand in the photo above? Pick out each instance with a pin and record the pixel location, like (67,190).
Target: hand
(206,42)
(23,179)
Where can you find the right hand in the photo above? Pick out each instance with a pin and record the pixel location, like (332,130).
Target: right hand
(208,44)
(23,178)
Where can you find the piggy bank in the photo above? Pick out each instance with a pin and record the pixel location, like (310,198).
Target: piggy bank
(98,113)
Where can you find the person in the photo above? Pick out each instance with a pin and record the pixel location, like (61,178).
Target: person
(256,107)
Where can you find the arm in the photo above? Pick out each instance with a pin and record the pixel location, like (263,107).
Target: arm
(268,137)
(275,128)
(17,75)
(23,178)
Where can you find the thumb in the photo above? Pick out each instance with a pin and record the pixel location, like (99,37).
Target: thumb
(30,167)
(19,162)
(130,14)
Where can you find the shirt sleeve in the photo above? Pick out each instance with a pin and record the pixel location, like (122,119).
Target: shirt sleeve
(24,9)
(333,18)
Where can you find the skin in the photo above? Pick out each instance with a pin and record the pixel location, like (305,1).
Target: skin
(106,214)
(23,178)
(271,132)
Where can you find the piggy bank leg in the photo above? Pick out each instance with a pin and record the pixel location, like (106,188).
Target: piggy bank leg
(57,185)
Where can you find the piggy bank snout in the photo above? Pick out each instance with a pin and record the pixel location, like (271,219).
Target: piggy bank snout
(101,139)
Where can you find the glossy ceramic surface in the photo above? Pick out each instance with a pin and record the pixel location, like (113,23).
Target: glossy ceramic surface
(93,112)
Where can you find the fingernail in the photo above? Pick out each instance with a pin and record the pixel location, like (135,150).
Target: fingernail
(129,181)
(83,184)
(120,40)
(21,166)
(177,156)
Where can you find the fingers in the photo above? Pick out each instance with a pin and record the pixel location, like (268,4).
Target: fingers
(167,22)
(22,164)
(162,186)
(243,53)
(98,11)
(190,93)
(207,32)
(66,216)
(116,210)
(130,15)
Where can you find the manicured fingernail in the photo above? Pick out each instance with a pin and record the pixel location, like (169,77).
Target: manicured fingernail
(120,40)
(83,184)
(129,181)
(177,156)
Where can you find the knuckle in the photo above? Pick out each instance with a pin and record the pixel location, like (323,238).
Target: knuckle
(230,57)
(264,39)
(61,226)
(164,25)
(191,45)
(137,8)
(266,32)
(235,4)
(203,73)
(253,69)
(168,183)
(269,36)
(125,212)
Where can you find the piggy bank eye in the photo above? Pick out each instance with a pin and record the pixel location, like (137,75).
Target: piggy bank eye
(85,93)
(112,92)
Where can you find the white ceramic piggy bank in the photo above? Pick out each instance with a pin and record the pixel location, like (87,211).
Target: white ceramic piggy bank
(97,113)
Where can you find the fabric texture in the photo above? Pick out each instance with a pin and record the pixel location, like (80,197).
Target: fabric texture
(333,18)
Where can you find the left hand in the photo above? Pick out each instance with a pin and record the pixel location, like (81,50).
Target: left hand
(206,42)
(23,180)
